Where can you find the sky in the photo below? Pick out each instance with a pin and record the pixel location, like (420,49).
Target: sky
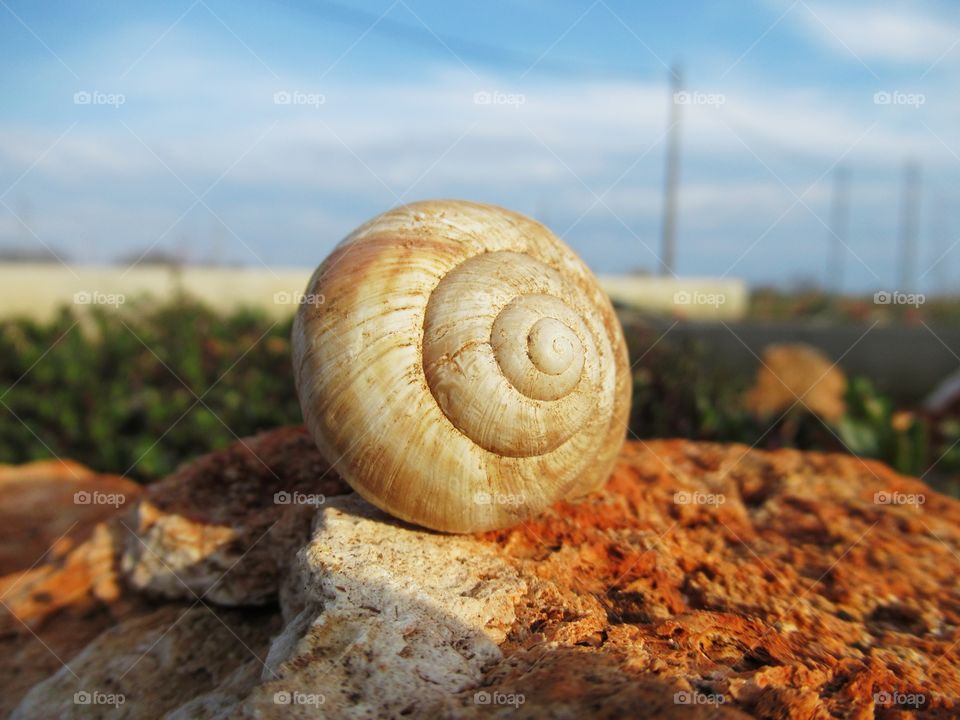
(261,132)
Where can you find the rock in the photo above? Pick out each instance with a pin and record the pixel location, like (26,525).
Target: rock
(78,583)
(797,374)
(50,507)
(703,581)
(61,588)
(785,584)
(178,662)
(387,619)
(225,526)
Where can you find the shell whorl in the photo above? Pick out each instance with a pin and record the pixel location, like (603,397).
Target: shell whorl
(465,370)
(510,363)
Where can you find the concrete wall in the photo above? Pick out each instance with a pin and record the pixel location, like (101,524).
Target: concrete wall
(904,361)
(694,298)
(38,290)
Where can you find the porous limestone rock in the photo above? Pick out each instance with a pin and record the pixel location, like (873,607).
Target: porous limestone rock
(59,549)
(225,526)
(177,662)
(49,507)
(387,620)
(703,581)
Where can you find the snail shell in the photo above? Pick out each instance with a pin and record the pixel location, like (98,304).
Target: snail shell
(464,370)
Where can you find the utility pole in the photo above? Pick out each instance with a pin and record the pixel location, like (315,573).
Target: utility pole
(909,218)
(839,222)
(672,176)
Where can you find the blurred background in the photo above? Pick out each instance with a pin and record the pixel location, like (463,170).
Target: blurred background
(766,189)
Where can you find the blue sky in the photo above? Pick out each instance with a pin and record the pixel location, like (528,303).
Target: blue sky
(133,125)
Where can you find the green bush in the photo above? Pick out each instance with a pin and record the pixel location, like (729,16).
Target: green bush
(140,389)
(679,393)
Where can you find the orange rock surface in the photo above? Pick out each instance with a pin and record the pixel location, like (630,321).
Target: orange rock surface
(49,507)
(789,584)
(60,585)
(701,581)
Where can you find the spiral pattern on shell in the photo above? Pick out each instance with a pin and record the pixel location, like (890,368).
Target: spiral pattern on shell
(464,370)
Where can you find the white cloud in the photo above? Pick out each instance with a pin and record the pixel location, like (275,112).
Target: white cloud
(874,33)
(309,174)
